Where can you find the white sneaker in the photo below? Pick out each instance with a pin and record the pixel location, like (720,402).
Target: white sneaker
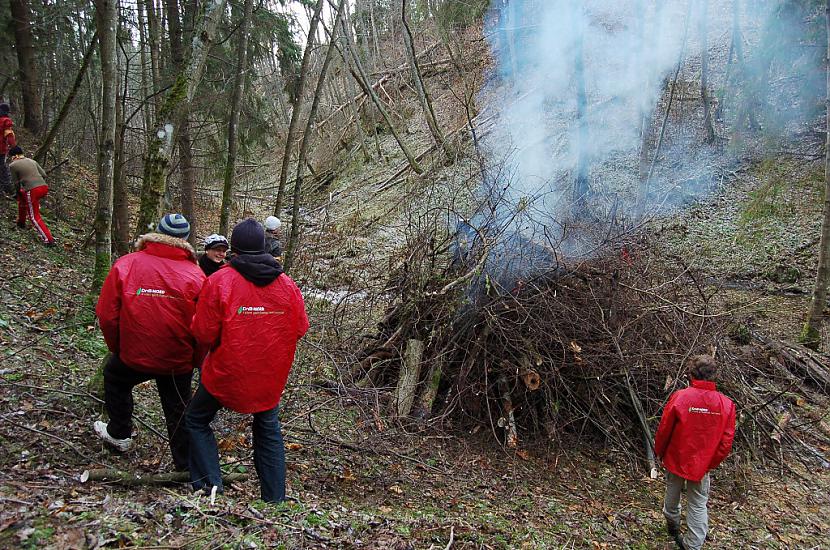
(122,445)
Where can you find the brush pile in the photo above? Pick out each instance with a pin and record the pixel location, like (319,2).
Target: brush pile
(588,351)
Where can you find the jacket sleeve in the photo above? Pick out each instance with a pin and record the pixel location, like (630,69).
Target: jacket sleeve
(664,430)
(301,315)
(40,170)
(728,436)
(207,322)
(8,134)
(108,310)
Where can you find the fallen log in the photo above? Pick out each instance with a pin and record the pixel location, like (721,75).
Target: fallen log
(129,479)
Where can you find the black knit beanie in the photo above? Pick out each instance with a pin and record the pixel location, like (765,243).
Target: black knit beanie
(248,237)
(4,108)
(15,151)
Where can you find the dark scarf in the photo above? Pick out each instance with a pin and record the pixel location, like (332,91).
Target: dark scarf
(209,267)
(260,269)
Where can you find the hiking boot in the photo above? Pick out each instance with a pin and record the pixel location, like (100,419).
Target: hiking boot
(51,244)
(672,529)
(122,445)
(679,541)
(21,225)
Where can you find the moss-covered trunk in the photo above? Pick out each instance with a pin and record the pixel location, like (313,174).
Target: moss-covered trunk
(170,115)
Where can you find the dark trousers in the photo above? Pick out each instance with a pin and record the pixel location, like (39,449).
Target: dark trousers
(174,391)
(5,178)
(269,450)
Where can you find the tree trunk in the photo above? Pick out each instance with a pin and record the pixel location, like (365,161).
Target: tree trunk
(27,66)
(408,378)
(236,103)
(295,112)
(307,136)
(40,154)
(420,86)
(708,125)
(810,334)
(120,194)
(581,185)
(143,59)
(106,15)
(154,45)
(363,80)
(173,110)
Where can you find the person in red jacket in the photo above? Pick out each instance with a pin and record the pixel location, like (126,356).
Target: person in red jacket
(250,316)
(694,436)
(7,141)
(145,308)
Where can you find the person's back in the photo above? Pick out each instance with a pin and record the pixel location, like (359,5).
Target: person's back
(27,173)
(155,289)
(694,446)
(260,326)
(250,315)
(694,436)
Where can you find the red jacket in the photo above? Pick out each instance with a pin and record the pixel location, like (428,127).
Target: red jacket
(696,430)
(252,334)
(7,138)
(147,303)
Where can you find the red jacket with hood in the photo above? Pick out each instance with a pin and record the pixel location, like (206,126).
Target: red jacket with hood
(147,303)
(696,430)
(252,333)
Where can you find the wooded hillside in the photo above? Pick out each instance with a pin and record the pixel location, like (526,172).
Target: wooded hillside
(512,222)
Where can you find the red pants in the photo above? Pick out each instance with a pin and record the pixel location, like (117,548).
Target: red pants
(28,205)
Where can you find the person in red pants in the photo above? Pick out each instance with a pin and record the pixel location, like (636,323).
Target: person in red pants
(30,181)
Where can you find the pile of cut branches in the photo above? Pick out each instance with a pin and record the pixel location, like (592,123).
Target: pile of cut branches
(590,350)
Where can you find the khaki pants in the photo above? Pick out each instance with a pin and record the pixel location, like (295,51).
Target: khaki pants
(697,517)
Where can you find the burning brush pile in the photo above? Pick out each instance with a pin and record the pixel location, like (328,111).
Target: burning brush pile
(588,351)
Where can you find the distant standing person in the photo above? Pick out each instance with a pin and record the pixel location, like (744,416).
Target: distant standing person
(7,141)
(29,178)
(216,246)
(694,436)
(250,315)
(273,237)
(144,310)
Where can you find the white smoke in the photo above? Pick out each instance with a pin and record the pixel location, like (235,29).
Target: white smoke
(630,50)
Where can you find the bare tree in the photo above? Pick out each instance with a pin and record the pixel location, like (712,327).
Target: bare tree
(27,65)
(420,86)
(106,14)
(307,135)
(171,113)
(810,334)
(703,23)
(233,122)
(295,112)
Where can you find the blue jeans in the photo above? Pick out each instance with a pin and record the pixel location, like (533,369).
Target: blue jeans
(269,450)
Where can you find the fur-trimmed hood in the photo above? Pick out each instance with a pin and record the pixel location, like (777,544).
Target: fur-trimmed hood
(160,238)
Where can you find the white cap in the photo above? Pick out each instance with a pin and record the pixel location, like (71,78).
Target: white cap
(272,223)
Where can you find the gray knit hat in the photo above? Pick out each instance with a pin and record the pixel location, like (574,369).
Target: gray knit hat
(174,225)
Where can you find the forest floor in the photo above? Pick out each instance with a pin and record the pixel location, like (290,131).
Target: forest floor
(355,483)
